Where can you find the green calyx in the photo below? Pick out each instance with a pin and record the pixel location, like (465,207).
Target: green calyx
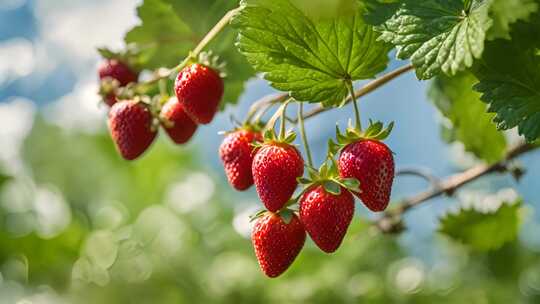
(375,131)
(329,178)
(210,60)
(270,137)
(285,214)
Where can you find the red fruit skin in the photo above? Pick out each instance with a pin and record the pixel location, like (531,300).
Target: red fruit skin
(372,163)
(117,70)
(277,244)
(275,170)
(236,153)
(326,217)
(130,125)
(199,88)
(183,126)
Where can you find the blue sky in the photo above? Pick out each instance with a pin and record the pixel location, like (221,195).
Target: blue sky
(48,63)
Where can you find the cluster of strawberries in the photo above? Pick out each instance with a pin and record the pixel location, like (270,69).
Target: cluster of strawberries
(365,168)
(134,122)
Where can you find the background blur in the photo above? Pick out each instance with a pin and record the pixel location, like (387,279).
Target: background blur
(79,225)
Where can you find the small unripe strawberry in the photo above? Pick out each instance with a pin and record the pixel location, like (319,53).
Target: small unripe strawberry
(326,217)
(180,127)
(276,243)
(236,153)
(276,167)
(130,125)
(199,88)
(117,70)
(372,163)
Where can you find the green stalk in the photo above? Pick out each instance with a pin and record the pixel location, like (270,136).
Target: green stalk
(282,121)
(303,133)
(355,104)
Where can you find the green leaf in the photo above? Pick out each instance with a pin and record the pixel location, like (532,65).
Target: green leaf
(469,122)
(506,12)
(324,9)
(483,231)
(438,34)
(379,11)
(313,60)
(169,29)
(509,76)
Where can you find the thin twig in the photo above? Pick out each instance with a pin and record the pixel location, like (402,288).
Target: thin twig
(424,173)
(391,220)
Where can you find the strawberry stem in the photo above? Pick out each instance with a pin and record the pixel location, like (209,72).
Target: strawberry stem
(355,104)
(283,118)
(163,88)
(303,132)
(262,112)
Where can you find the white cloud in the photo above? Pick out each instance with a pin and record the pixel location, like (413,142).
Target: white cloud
(70,33)
(75,28)
(16,59)
(80,109)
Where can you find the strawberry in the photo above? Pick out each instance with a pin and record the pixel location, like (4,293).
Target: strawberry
(372,163)
(199,88)
(326,216)
(130,124)
(180,126)
(236,153)
(118,70)
(276,166)
(276,242)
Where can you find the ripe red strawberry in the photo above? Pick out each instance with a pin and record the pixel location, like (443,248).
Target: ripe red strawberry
(326,216)
(372,163)
(130,124)
(236,153)
(199,88)
(117,70)
(183,127)
(276,243)
(276,166)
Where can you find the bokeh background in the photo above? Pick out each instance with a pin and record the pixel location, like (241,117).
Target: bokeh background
(80,225)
